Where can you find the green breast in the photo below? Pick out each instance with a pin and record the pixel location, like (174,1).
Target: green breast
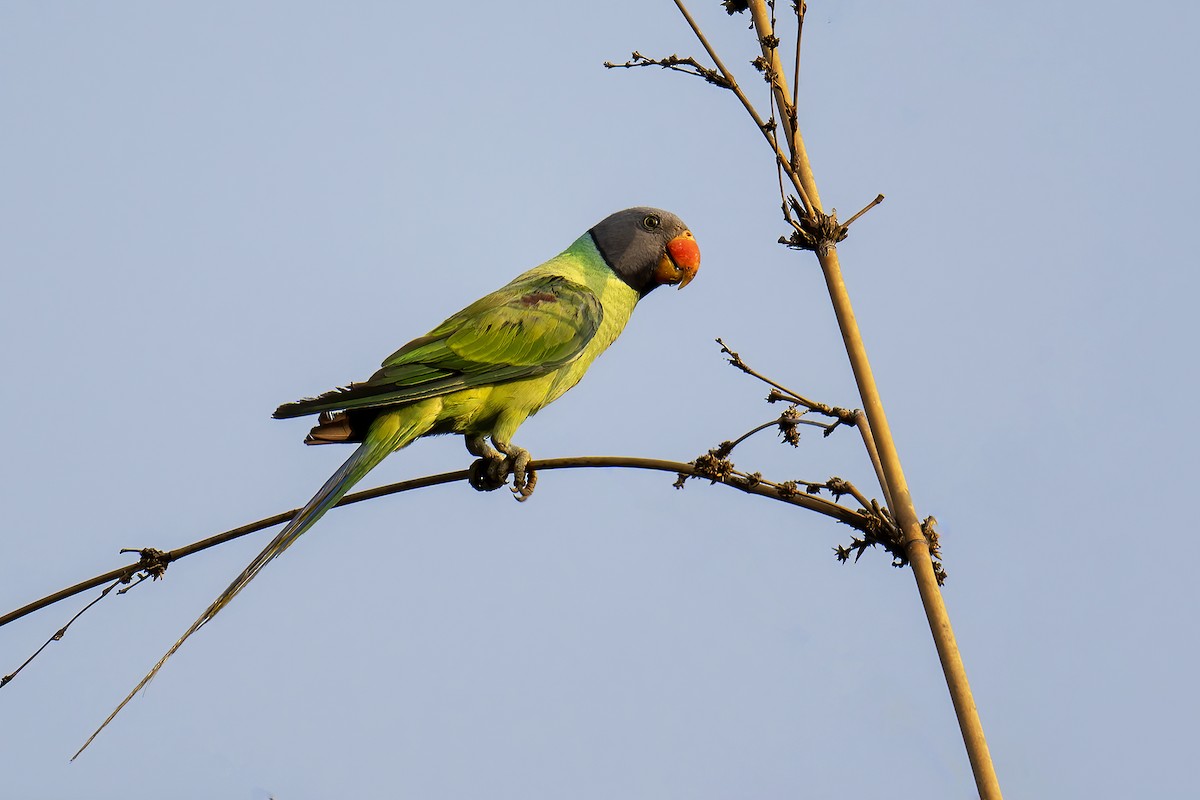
(583,264)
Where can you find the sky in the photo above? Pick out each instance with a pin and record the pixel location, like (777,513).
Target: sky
(210,209)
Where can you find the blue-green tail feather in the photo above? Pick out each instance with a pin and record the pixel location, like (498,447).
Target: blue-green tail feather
(387,434)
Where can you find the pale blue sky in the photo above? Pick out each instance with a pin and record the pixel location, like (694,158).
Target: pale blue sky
(209,209)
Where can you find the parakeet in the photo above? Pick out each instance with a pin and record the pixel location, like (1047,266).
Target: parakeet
(484,370)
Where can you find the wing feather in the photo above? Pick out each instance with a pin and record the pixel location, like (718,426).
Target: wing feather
(528,328)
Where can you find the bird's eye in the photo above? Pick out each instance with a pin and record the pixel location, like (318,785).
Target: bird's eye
(651,222)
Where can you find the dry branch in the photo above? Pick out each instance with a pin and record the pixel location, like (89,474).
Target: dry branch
(874,525)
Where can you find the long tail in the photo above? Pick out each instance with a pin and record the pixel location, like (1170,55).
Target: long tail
(388,433)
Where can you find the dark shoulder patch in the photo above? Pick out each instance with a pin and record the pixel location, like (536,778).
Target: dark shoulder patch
(537,298)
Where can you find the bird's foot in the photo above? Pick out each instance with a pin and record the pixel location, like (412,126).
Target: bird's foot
(489,474)
(491,471)
(524,478)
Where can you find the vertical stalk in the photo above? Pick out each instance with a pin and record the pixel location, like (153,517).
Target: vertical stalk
(896,486)
(917,548)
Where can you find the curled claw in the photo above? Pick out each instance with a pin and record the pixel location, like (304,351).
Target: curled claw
(524,484)
(524,479)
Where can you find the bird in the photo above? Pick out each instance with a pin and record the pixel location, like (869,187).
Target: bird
(484,371)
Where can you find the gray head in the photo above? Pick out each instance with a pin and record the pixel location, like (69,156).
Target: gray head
(647,247)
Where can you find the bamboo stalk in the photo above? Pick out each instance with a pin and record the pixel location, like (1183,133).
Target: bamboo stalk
(916,546)
(896,486)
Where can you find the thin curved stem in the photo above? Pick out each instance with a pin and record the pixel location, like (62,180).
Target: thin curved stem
(756,487)
(864,428)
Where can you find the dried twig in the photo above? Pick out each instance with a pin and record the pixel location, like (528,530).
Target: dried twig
(676,63)
(886,534)
(781,392)
(801,8)
(57,635)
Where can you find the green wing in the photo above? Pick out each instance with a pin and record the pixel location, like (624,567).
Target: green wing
(528,328)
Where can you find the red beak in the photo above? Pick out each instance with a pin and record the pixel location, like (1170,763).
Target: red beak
(680,263)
